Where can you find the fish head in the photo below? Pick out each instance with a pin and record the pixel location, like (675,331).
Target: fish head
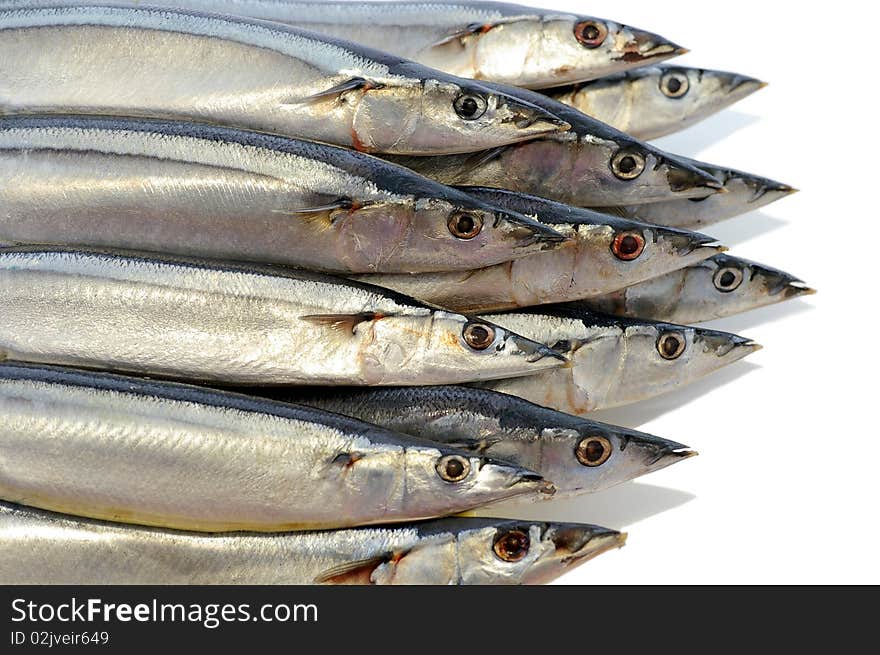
(496,551)
(545,50)
(591,456)
(620,170)
(674,97)
(616,253)
(724,285)
(448,348)
(442,480)
(641,359)
(448,115)
(467,234)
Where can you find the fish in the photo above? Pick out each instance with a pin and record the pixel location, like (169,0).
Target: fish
(215,192)
(743,193)
(500,42)
(176,456)
(717,287)
(609,253)
(239,324)
(590,165)
(654,101)
(579,455)
(37,547)
(615,361)
(270,77)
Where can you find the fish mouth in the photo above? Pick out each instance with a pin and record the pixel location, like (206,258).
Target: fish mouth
(529,233)
(669,456)
(531,119)
(727,346)
(576,544)
(535,482)
(687,243)
(775,190)
(645,47)
(535,351)
(796,288)
(683,178)
(742,85)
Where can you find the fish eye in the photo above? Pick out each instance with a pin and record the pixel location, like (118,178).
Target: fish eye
(674,84)
(465,225)
(628,245)
(627,165)
(453,468)
(478,335)
(470,106)
(591,33)
(671,345)
(727,279)
(511,546)
(593,451)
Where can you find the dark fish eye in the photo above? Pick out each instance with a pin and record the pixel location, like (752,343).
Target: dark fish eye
(727,279)
(465,225)
(627,165)
(591,33)
(511,546)
(478,336)
(470,106)
(453,468)
(671,345)
(674,84)
(593,451)
(628,245)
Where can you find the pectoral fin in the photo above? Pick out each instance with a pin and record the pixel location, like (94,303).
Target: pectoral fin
(359,572)
(342,321)
(351,84)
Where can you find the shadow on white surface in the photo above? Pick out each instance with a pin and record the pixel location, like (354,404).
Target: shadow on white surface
(694,140)
(762,316)
(618,507)
(638,414)
(746,227)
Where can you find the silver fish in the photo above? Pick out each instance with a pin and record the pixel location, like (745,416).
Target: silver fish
(157,453)
(591,165)
(743,192)
(579,455)
(500,42)
(654,101)
(609,253)
(164,63)
(239,324)
(43,548)
(206,191)
(714,288)
(615,361)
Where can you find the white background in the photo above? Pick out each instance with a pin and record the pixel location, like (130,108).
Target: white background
(785,488)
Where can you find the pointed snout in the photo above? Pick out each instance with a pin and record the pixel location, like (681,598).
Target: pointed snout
(536,351)
(516,479)
(686,243)
(529,233)
(580,542)
(730,347)
(643,47)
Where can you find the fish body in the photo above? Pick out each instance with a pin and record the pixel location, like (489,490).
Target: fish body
(606,254)
(590,165)
(500,42)
(715,288)
(743,192)
(169,63)
(579,455)
(211,191)
(238,324)
(39,547)
(615,361)
(653,101)
(170,455)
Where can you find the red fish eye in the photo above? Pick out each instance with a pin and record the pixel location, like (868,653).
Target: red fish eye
(512,546)
(628,245)
(591,33)
(465,225)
